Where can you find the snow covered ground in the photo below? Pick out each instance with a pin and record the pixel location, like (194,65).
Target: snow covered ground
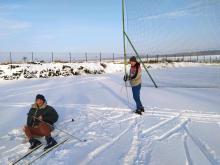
(181,124)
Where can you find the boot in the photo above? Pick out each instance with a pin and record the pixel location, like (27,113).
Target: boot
(138,111)
(34,143)
(50,143)
(142,109)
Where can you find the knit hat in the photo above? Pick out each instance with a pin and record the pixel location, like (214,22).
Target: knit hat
(41,97)
(133,59)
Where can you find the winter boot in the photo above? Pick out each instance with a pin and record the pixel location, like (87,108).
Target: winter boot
(34,143)
(50,143)
(138,111)
(142,109)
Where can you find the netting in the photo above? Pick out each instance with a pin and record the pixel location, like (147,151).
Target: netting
(166,26)
(159,28)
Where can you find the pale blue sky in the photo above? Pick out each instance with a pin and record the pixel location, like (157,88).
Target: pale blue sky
(169,26)
(60,25)
(155,26)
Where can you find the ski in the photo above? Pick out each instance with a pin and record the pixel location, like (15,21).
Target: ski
(47,151)
(26,154)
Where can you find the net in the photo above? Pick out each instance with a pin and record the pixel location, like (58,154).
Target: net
(166,28)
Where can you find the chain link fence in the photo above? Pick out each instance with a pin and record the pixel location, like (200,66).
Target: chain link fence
(65,57)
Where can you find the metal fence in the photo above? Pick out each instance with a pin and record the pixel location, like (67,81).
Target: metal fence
(25,57)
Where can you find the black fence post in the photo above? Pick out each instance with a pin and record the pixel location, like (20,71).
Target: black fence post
(10,57)
(32,56)
(52,57)
(100,57)
(70,57)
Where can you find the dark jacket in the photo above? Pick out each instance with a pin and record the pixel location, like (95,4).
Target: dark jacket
(48,113)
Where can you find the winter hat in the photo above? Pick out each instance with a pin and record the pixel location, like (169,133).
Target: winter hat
(133,59)
(41,97)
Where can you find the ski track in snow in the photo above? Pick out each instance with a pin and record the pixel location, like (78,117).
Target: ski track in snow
(204,148)
(92,155)
(172,131)
(156,126)
(186,148)
(110,117)
(132,153)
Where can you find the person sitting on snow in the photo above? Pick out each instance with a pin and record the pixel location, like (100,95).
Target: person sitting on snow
(40,120)
(135,80)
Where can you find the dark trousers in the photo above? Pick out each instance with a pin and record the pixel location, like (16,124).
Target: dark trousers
(40,131)
(136,95)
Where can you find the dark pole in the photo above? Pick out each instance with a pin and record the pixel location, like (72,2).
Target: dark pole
(32,56)
(52,57)
(70,57)
(100,56)
(113,57)
(10,56)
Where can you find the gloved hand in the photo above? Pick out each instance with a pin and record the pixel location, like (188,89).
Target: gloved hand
(126,77)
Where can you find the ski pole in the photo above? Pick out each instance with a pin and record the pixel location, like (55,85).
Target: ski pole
(81,140)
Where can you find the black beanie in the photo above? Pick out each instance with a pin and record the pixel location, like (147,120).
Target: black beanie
(39,96)
(133,58)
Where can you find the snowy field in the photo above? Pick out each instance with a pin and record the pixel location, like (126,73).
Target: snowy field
(181,124)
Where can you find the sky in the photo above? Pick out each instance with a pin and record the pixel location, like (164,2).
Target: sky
(154,26)
(61,25)
(168,26)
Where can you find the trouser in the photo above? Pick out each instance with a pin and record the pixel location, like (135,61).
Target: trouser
(40,131)
(136,95)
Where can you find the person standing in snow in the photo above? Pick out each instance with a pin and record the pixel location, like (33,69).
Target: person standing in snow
(40,119)
(135,80)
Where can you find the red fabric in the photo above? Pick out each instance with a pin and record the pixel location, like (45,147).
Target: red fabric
(42,130)
(134,70)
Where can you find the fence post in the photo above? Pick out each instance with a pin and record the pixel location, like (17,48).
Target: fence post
(70,57)
(100,57)
(32,56)
(52,56)
(113,57)
(10,56)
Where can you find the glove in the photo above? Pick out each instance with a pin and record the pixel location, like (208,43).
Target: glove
(125,77)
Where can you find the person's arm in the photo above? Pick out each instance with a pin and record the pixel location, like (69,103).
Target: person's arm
(50,115)
(30,118)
